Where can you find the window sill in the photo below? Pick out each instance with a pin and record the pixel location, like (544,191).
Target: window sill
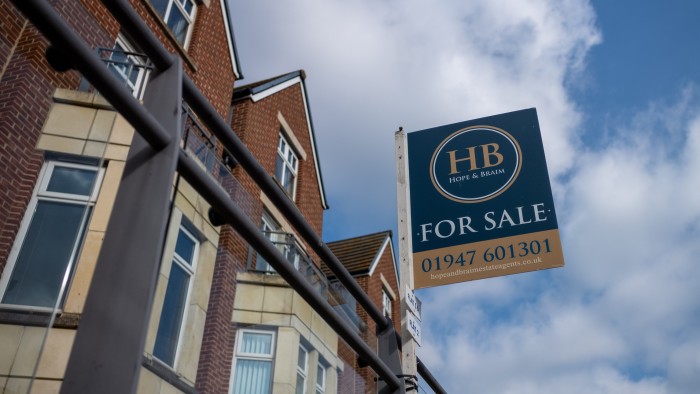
(166,373)
(37,317)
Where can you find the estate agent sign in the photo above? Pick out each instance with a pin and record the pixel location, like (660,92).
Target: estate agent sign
(481,202)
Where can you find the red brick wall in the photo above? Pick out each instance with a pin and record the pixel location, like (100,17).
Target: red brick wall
(261,135)
(216,355)
(356,380)
(386,267)
(206,60)
(258,127)
(26,85)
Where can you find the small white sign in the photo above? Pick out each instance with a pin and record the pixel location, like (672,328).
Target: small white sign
(413,303)
(413,326)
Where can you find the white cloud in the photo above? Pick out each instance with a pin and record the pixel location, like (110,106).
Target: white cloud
(622,316)
(374,66)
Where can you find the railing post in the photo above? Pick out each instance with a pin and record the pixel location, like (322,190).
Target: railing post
(108,348)
(388,351)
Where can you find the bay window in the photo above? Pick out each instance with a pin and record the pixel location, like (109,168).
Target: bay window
(302,370)
(320,379)
(253,362)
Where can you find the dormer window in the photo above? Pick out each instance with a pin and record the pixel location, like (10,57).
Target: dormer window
(178,15)
(286,167)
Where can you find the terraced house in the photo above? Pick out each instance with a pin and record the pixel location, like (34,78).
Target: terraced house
(222,320)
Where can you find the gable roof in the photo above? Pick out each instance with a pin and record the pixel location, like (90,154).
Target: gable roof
(230,39)
(257,91)
(360,255)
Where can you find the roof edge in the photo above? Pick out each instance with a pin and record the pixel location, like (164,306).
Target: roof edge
(231,39)
(259,90)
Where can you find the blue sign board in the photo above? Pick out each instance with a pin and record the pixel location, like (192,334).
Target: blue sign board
(481,201)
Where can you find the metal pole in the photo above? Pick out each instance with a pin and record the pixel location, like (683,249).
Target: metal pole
(138,31)
(71,47)
(86,61)
(388,349)
(108,348)
(429,378)
(233,215)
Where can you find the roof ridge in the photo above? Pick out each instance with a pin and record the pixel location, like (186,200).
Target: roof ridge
(388,232)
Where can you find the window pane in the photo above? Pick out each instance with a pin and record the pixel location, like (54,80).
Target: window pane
(320,376)
(46,251)
(256,343)
(178,24)
(279,168)
(171,317)
(188,5)
(160,6)
(301,360)
(300,384)
(71,180)
(252,377)
(289,183)
(125,67)
(185,246)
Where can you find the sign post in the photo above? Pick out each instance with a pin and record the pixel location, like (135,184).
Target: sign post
(480,201)
(408,352)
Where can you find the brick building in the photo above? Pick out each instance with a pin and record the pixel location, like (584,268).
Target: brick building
(64,149)
(222,320)
(371,260)
(273,119)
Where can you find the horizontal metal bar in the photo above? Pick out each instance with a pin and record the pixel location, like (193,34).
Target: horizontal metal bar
(429,378)
(230,212)
(284,204)
(85,60)
(140,33)
(91,66)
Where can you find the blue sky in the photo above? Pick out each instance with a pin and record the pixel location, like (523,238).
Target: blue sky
(615,84)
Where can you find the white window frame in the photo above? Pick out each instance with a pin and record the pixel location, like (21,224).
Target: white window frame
(271,230)
(386,303)
(321,388)
(41,193)
(304,372)
(139,87)
(284,151)
(190,18)
(190,269)
(238,354)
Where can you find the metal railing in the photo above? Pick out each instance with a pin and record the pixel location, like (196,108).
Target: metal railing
(336,294)
(132,68)
(200,144)
(117,374)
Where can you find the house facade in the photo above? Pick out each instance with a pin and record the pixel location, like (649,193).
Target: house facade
(65,149)
(222,320)
(280,344)
(371,260)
